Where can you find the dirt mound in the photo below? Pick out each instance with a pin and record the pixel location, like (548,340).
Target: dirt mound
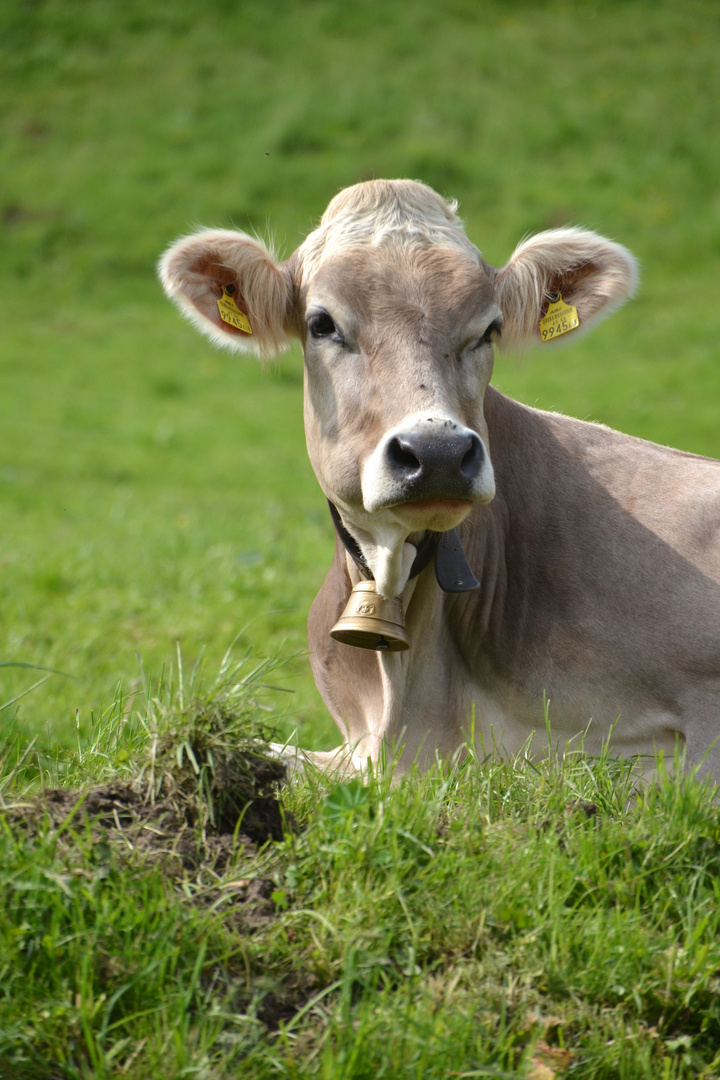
(166,819)
(199,826)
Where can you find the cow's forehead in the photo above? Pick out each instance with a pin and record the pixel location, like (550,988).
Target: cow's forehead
(378,281)
(404,212)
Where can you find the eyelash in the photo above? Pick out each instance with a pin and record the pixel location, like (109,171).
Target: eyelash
(493,330)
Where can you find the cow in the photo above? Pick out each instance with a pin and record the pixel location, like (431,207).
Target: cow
(537,558)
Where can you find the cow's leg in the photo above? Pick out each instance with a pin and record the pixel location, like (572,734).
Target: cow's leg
(702,743)
(338,762)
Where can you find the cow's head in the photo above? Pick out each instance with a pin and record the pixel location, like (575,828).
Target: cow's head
(397,313)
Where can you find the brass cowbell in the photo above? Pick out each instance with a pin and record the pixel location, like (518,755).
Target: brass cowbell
(370,621)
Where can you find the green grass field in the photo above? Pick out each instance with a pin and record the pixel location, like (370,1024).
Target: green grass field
(155,493)
(503,921)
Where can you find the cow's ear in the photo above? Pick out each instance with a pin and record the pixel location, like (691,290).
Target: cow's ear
(232,288)
(590,273)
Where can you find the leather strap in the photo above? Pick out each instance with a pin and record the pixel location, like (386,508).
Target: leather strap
(452,571)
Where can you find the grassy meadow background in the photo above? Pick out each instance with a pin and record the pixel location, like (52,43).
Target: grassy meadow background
(155,496)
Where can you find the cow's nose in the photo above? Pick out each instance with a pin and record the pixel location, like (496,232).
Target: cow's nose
(421,458)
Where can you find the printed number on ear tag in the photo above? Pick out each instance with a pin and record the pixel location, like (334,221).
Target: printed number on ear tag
(231,313)
(559,318)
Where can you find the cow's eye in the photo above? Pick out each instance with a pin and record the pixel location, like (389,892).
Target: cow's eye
(322,326)
(490,335)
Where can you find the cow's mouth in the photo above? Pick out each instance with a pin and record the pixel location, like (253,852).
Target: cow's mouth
(438,515)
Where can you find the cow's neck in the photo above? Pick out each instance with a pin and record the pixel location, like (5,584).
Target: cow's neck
(538,531)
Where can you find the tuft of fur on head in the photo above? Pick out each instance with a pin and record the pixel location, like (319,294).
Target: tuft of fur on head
(405,211)
(194,270)
(593,274)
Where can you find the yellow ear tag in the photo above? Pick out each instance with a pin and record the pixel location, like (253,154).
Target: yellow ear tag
(558,319)
(230,312)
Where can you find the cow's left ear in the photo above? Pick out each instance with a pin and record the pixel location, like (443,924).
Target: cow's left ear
(591,274)
(232,288)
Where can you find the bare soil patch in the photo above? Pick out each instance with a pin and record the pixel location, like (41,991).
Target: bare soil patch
(172,829)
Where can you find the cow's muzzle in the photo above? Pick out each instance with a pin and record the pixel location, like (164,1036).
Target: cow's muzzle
(428,459)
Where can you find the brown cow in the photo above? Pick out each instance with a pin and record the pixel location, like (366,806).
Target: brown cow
(597,554)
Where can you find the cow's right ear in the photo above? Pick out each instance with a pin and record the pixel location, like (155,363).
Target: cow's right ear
(232,288)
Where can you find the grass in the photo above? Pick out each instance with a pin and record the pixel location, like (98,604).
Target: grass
(90,946)
(499,920)
(504,920)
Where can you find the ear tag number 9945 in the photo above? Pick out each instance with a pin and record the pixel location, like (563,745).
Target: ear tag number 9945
(231,313)
(558,319)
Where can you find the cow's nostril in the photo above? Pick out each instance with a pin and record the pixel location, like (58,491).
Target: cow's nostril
(472,459)
(402,458)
